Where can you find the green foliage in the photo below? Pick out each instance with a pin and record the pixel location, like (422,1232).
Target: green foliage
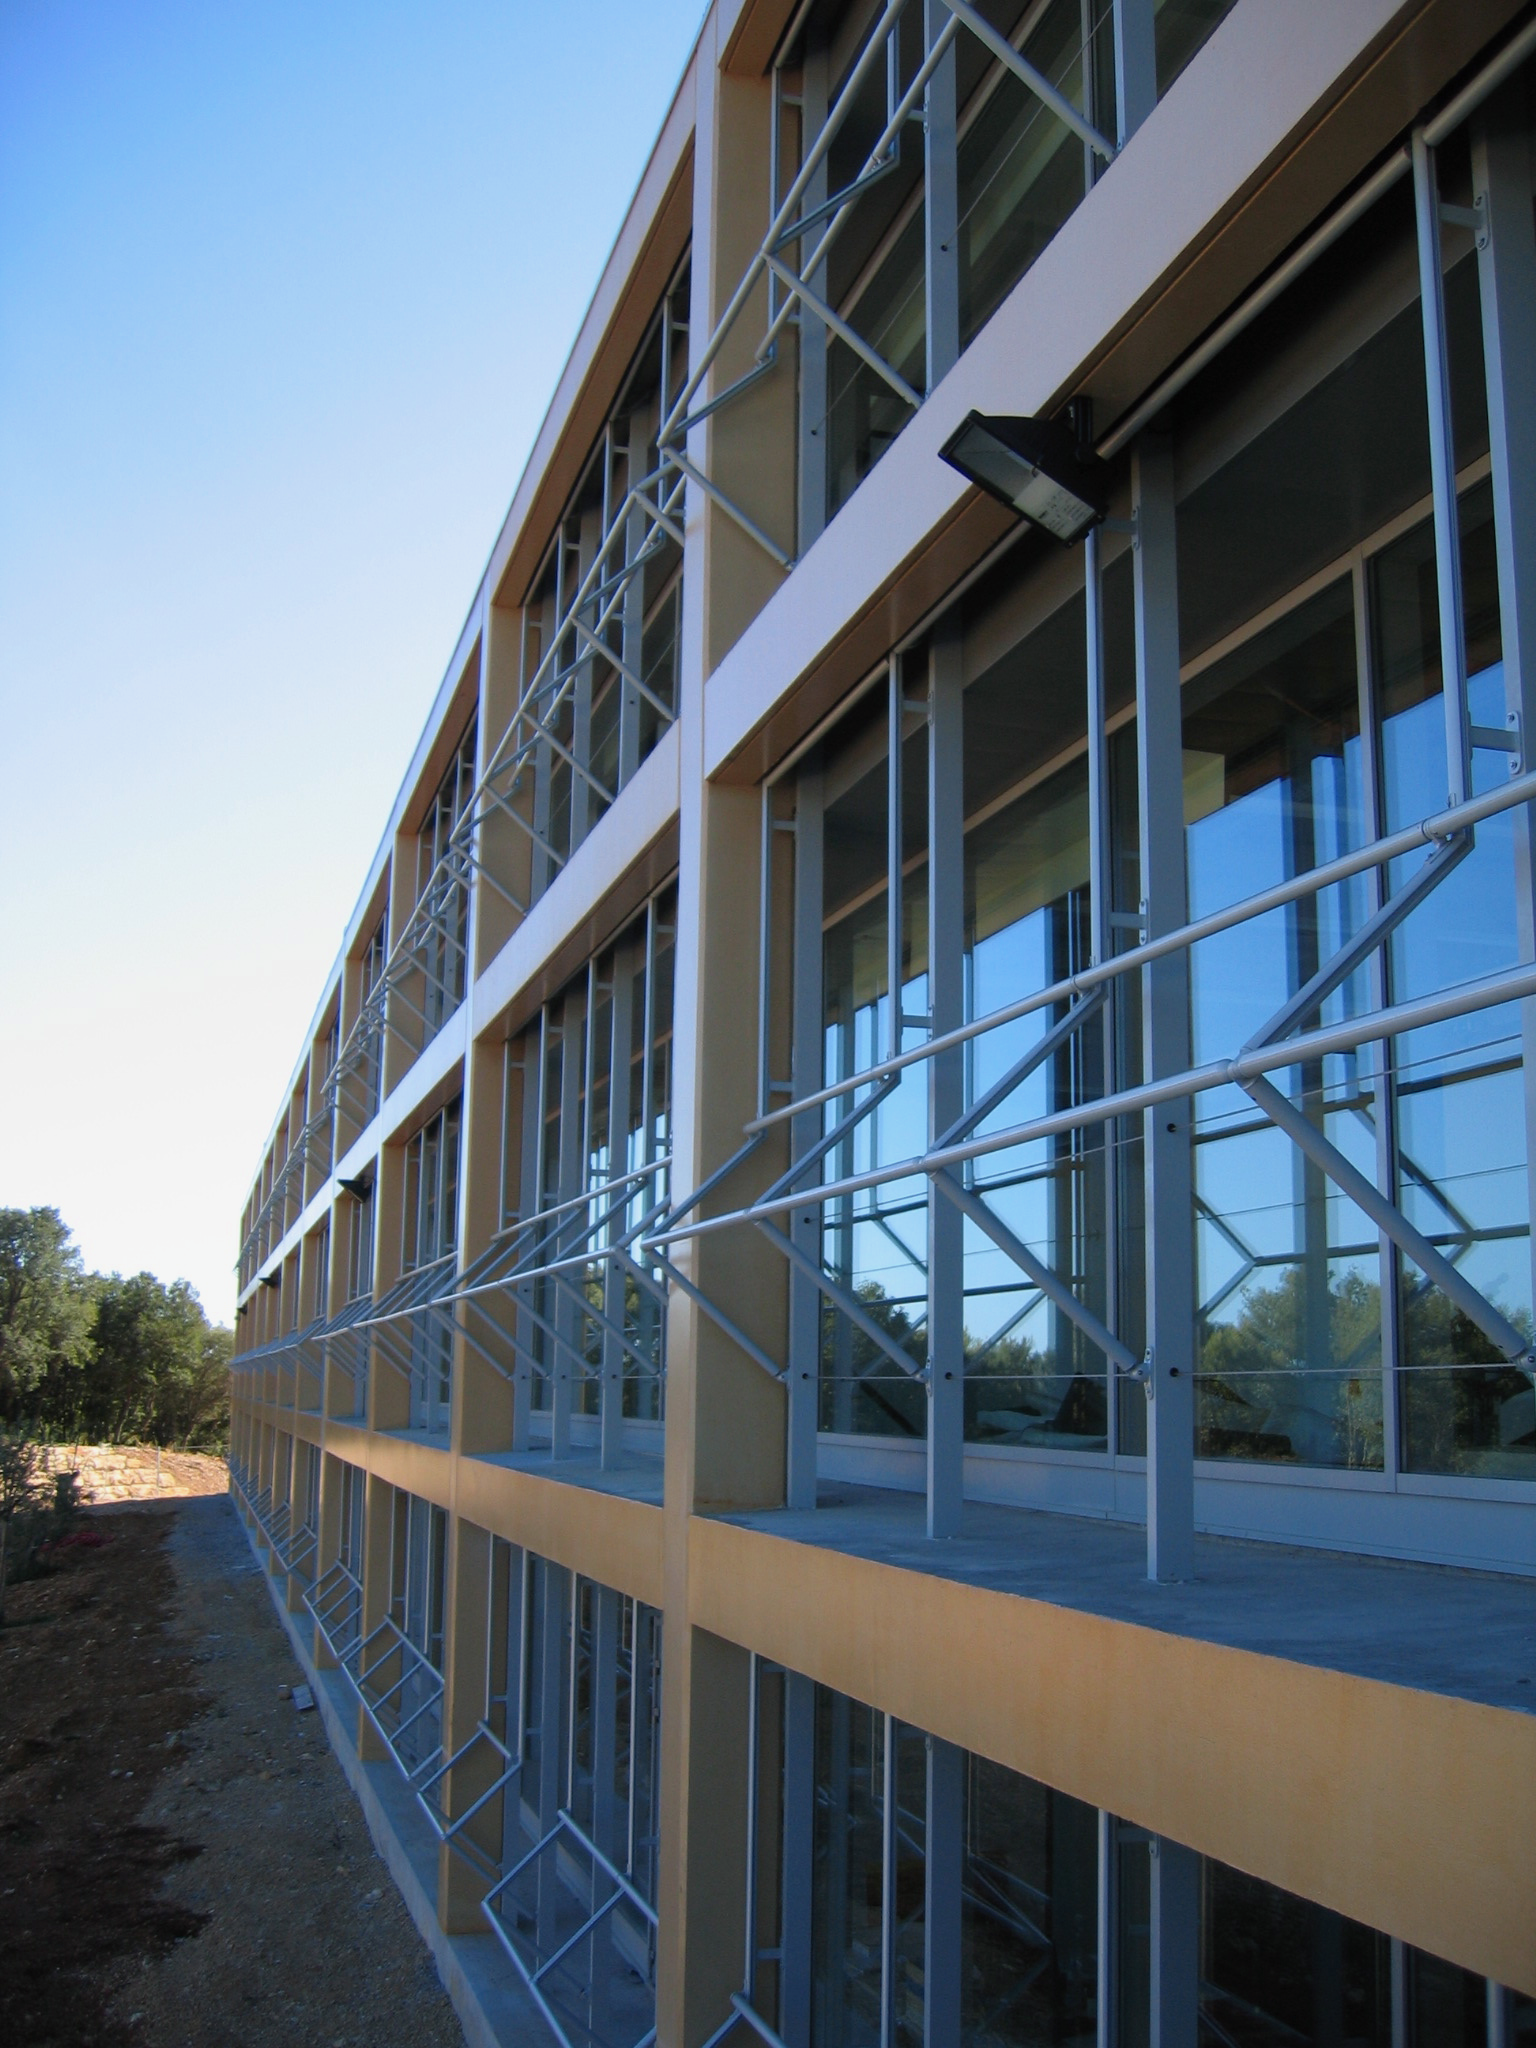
(33,1510)
(99,1356)
(45,1307)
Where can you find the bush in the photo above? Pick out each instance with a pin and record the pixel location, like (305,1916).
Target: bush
(34,1509)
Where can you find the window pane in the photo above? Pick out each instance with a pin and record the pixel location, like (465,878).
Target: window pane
(1029,1914)
(1459,1086)
(1287,1268)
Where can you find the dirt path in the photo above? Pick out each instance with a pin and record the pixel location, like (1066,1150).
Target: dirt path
(182,1863)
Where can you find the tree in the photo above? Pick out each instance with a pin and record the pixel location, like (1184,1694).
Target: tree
(45,1312)
(159,1369)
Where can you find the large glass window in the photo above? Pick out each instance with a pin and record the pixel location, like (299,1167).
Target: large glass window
(430,1248)
(907,1891)
(1032,1377)
(583,1688)
(1289,1297)
(587,1146)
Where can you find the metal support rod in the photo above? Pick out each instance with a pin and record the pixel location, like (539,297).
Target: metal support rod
(1442,469)
(1282,1112)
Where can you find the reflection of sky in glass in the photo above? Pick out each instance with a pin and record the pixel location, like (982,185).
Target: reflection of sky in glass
(1461,1141)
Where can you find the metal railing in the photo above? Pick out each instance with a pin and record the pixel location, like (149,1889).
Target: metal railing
(434,920)
(1278,1044)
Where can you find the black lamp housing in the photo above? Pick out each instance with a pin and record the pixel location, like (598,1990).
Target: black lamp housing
(359,1187)
(1035,467)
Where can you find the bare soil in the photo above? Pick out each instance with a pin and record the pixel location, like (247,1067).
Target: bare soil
(182,1862)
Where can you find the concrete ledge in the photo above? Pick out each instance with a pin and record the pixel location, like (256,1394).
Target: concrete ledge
(493,2008)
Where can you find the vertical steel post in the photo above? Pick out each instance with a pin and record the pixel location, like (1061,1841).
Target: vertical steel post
(535,1053)
(944,1839)
(563,1360)
(888,1792)
(1506,269)
(799,1857)
(941,203)
(1442,470)
(812,333)
(1165,1022)
(805,1225)
(1501,2018)
(1100,931)
(946,1079)
(622,1013)
(1105,2030)
(632,613)
(1379,1077)
(583,796)
(893,850)
(749,1917)
(1174,1940)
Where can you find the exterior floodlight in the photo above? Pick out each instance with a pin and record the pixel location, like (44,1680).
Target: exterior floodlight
(358,1187)
(1032,465)
(271,1279)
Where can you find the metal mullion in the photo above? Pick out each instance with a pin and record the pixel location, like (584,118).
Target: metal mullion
(577,767)
(895,123)
(1506,265)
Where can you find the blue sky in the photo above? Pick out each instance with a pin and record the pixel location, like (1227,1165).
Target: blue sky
(284,291)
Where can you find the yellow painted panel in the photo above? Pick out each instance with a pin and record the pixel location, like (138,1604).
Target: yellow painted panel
(601,1535)
(1408,1810)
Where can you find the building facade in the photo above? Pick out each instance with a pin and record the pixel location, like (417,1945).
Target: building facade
(885,1341)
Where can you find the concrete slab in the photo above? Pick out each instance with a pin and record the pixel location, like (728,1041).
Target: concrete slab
(1470,1635)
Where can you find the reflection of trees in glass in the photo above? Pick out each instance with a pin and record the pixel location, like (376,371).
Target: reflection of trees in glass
(1012,1395)
(1256,1398)
(885,1400)
(1464,1420)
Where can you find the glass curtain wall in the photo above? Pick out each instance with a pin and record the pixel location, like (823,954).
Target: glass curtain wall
(600,622)
(1016,171)
(582,1693)
(430,1241)
(1313,722)
(585,1165)
(375,953)
(417,1608)
(445,950)
(903,1891)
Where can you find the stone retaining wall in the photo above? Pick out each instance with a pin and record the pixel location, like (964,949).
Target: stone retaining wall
(116,1472)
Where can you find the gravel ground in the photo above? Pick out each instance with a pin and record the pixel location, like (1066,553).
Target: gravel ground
(307,1939)
(182,1863)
